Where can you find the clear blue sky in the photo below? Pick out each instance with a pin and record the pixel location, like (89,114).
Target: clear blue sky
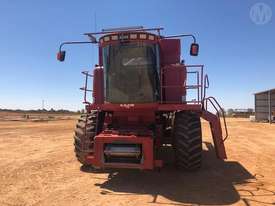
(238,54)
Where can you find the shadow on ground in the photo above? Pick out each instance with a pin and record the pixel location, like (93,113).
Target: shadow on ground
(213,184)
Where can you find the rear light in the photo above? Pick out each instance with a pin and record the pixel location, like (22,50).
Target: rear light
(107,38)
(151,37)
(124,37)
(143,36)
(114,37)
(132,36)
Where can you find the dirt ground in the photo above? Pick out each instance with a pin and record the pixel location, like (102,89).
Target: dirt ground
(38,167)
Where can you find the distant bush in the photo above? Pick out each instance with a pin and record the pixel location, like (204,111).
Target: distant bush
(60,111)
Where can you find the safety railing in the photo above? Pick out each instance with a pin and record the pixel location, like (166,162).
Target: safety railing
(198,71)
(219,110)
(200,85)
(85,87)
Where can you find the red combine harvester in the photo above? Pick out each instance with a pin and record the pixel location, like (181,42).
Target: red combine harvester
(140,102)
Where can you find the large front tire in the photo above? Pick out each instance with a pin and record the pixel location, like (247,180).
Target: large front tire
(187,140)
(87,127)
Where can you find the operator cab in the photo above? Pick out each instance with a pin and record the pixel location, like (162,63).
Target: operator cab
(131,67)
(137,67)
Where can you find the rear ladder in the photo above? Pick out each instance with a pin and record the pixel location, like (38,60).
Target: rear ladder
(215,125)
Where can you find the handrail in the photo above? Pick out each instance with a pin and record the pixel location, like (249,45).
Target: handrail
(197,70)
(87,73)
(84,88)
(206,85)
(217,106)
(158,29)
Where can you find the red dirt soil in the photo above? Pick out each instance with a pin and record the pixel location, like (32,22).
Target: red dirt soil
(38,167)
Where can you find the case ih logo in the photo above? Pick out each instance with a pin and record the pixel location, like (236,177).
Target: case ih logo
(127,106)
(260,13)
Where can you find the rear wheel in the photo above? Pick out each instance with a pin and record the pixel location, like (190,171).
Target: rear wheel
(187,140)
(87,127)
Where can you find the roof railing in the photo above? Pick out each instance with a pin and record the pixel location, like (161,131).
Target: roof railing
(124,29)
(128,28)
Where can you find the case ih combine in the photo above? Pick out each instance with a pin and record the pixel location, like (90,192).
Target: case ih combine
(140,102)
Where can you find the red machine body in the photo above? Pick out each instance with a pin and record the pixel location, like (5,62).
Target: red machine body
(133,131)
